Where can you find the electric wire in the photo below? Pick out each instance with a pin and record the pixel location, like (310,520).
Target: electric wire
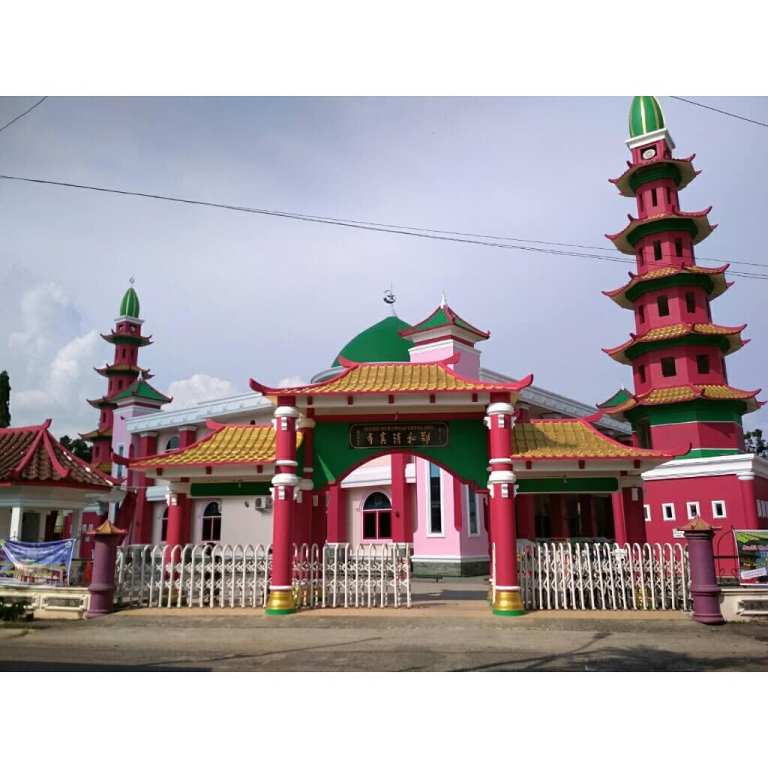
(23,114)
(492,241)
(721,111)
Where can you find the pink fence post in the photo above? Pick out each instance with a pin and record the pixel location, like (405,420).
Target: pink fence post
(701,556)
(102,586)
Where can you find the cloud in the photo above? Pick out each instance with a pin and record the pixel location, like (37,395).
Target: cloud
(291,381)
(197,388)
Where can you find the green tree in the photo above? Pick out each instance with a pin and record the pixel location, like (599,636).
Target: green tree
(78,446)
(754,442)
(5,400)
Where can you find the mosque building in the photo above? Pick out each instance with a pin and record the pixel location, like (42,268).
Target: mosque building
(407,438)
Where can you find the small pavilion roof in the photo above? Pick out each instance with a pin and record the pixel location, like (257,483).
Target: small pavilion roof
(395,378)
(695,222)
(141,390)
(731,336)
(113,337)
(715,274)
(226,444)
(568,439)
(112,369)
(685,393)
(680,168)
(32,455)
(97,434)
(444,317)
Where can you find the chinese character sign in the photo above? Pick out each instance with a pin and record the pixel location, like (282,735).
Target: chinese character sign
(752,549)
(399,435)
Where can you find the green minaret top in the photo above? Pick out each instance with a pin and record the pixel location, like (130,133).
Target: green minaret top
(645,116)
(129,306)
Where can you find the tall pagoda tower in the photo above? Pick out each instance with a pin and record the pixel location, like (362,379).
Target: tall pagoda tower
(126,380)
(682,400)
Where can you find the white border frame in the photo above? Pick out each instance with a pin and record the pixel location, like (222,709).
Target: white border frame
(468,492)
(688,505)
(428,522)
(664,506)
(725,509)
(647,513)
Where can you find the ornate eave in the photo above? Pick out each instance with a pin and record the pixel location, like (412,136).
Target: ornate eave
(681,171)
(113,337)
(659,278)
(686,393)
(730,336)
(696,223)
(96,435)
(121,369)
(442,319)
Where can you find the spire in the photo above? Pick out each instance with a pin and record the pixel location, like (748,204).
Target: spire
(646,122)
(129,306)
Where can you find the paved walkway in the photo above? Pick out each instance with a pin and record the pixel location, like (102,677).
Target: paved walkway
(446,629)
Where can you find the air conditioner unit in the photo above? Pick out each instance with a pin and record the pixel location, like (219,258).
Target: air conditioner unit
(264,503)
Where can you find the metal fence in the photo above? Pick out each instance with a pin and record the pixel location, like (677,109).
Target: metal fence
(225,576)
(594,576)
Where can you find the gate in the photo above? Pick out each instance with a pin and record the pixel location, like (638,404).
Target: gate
(596,576)
(226,576)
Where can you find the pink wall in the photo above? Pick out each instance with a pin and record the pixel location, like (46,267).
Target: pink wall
(699,434)
(469,359)
(686,371)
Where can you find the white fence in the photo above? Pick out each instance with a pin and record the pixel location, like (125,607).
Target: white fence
(595,576)
(223,576)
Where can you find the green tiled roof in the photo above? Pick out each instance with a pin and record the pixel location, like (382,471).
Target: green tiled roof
(129,306)
(143,390)
(645,115)
(381,343)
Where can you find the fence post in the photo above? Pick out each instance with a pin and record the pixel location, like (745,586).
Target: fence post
(704,588)
(102,586)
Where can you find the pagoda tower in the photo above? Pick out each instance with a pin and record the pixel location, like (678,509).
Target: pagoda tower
(682,400)
(122,374)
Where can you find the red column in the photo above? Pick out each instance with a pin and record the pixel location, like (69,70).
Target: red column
(285,489)
(302,525)
(619,517)
(587,516)
(558,522)
(501,482)
(142,516)
(337,514)
(402,529)
(526,522)
(179,519)
(187,436)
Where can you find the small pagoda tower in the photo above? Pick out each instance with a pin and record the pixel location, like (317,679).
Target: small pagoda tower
(126,380)
(682,400)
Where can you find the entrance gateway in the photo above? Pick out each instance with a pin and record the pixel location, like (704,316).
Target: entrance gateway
(424,408)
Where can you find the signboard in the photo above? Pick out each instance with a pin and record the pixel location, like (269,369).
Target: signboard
(752,551)
(432,434)
(44,562)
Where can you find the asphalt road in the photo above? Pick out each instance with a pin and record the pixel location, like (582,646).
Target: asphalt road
(446,629)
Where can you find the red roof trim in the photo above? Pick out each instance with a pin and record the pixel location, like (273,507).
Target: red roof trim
(677,215)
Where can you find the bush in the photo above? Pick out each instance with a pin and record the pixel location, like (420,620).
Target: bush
(12,611)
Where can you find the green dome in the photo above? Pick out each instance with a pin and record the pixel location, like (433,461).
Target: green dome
(645,115)
(381,343)
(129,306)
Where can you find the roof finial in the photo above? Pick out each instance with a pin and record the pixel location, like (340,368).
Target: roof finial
(443,300)
(131,279)
(390,298)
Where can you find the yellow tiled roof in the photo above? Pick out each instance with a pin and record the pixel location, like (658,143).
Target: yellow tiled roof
(388,378)
(667,395)
(236,444)
(570,438)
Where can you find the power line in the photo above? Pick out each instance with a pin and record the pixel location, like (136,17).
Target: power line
(721,111)
(489,241)
(23,114)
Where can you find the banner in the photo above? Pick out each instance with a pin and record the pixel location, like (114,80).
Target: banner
(44,562)
(752,550)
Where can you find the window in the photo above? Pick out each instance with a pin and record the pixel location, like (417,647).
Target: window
(678,247)
(643,431)
(762,508)
(668,367)
(654,199)
(647,512)
(668,511)
(641,313)
(211,522)
(641,373)
(718,509)
(702,363)
(657,250)
(164,525)
(690,302)
(119,472)
(377,517)
(435,502)
(473,522)
(662,302)
(693,508)
(172,444)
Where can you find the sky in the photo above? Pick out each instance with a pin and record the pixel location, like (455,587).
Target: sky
(228,296)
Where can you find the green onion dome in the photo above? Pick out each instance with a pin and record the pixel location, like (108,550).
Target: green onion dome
(381,343)
(645,116)
(129,306)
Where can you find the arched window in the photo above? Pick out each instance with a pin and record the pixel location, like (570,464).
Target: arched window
(164,525)
(211,522)
(377,517)
(172,443)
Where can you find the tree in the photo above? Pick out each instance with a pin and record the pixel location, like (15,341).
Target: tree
(78,446)
(5,400)
(754,442)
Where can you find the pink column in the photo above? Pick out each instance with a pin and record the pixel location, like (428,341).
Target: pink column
(285,490)
(704,588)
(501,483)
(337,514)
(749,501)
(619,517)
(102,586)
(402,529)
